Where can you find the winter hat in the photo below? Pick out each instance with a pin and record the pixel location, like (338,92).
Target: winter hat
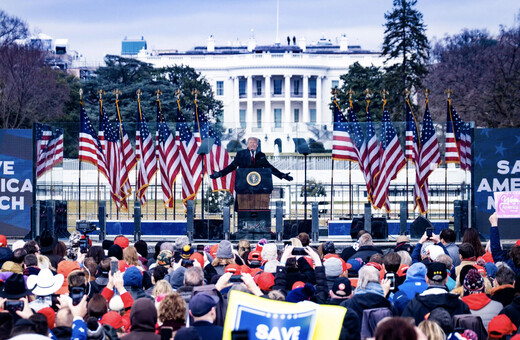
(491,269)
(50,315)
(443,318)
(500,326)
(186,251)
(473,282)
(113,319)
(122,241)
(270,266)
(164,258)
(434,252)
(115,251)
(356,265)
(181,242)
(199,258)
(95,330)
(328,248)
(18,244)
(133,277)
(334,267)
(225,250)
(3,241)
(301,294)
(45,283)
(416,271)
(269,252)
(436,271)
(116,303)
(65,268)
(342,287)
(265,281)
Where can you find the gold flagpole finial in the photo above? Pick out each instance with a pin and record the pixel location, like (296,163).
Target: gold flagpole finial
(80,94)
(427,93)
(158,93)
(368,94)
(101,93)
(195,92)
(138,93)
(117,92)
(178,94)
(406,93)
(335,93)
(384,93)
(350,93)
(448,92)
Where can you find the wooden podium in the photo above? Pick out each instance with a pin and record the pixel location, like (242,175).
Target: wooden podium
(253,201)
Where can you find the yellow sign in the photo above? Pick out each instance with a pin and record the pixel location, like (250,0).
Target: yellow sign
(268,319)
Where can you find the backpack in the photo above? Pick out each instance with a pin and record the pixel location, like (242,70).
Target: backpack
(473,322)
(370,319)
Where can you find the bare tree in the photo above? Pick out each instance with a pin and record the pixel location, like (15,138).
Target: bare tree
(11,28)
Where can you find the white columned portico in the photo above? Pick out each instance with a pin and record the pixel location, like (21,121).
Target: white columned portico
(319,99)
(306,115)
(236,102)
(268,115)
(249,108)
(287,111)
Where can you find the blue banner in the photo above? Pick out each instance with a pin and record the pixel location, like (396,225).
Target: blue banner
(496,167)
(16,187)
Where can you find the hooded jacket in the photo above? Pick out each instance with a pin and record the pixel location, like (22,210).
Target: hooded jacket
(365,252)
(143,318)
(481,305)
(415,282)
(503,294)
(513,311)
(432,298)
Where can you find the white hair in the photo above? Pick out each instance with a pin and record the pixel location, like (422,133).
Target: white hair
(405,257)
(366,275)
(365,240)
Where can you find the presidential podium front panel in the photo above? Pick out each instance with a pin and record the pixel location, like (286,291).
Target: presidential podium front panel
(253,187)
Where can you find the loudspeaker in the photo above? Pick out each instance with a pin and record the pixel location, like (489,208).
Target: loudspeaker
(379,228)
(292,228)
(418,227)
(46,216)
(358,224)
(60,219)
(208,229)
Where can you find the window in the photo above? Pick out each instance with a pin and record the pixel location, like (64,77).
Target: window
(259,118)
(296,87)
(277,118)
(335,84)
(312,86)
(220,88)
(242,87)
(296,115)
(313,115)
(258,87)
(277,86)
(243,119)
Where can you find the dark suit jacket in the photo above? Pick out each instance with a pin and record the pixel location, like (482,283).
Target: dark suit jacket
(243,160)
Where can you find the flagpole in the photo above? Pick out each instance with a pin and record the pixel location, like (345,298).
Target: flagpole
(117,92)
(101,92)
(138,154)
(350,193)
(406,94)
(335,93)
(79,158)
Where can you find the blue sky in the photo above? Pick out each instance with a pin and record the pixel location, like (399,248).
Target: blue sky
(96,27)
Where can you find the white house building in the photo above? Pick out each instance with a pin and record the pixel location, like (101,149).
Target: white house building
(274,92)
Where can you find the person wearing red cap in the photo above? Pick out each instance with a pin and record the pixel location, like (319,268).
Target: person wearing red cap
(496,250)
(3,241)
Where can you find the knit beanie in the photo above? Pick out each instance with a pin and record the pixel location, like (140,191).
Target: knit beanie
(301,294)
(224,250)
(473,282)
(269,252)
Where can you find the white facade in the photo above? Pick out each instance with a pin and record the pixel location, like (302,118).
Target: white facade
(273,92)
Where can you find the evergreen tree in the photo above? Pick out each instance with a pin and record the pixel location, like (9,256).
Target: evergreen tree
(407,51)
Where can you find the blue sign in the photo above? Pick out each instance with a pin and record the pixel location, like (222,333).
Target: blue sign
(16,186)
(496,167)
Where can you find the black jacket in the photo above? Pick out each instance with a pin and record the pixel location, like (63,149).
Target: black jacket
(421,305)
(243,160)
(208,331)
(504,295)
(365,252)
(513,311)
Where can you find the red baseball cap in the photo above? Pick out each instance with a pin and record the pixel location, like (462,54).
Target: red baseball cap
(298,284)
(113,319)
(213,250)
(3,241)
(232,268)
(245,269)
(265,281)
(122,241)
(198,257)
(50,315)
(500,326)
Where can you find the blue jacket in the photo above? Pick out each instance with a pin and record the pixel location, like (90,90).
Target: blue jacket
(413,286)
(497,252)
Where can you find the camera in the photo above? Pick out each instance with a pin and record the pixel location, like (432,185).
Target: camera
(235,278)
(85,227)
(13,306)
(76,294)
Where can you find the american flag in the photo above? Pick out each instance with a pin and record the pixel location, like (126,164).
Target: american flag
(429,160)
(168,157)
(342,146)
(392,160)
(374,148)
(190,160)
(361,148)
(146,158)
(58,152)
(412,135)
(89,146)
(218,158)
(43,136)
(458,140)
(129,161)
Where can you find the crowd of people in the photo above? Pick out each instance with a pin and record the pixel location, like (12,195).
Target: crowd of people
(434,289)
